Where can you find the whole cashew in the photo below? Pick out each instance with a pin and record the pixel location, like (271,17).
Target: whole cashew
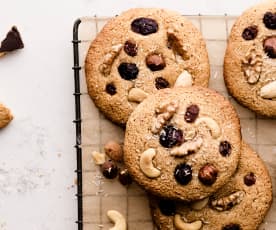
(211,124)
(146,164)
(184,79)
(269,91)
(198,205)
(118,220)
(181,225)
(99,158)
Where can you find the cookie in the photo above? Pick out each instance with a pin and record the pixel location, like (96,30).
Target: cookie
(140,52)
(5,116)
(239,205)
(183,143)
(250,59)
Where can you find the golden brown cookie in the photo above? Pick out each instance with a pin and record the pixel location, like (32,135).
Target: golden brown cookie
(140,52)
(239,205)
(5,116)
(183,143)
(250,59)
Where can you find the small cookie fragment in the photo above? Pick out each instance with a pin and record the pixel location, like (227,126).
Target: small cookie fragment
(114,150)
(12,41)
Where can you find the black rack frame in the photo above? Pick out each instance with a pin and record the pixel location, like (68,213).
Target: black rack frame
(78,120)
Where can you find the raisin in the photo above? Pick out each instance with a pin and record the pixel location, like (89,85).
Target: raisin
(170,136)
(249,179)
(155,62)
(161,83)
(109,169)
(269,20)
(167,207)
(183,173)
(250,32)
(225,148)
(232,227)
(110,89)
(144,26)
(131,48)
(128,71)
(208,174)
(191,113)
(270,47)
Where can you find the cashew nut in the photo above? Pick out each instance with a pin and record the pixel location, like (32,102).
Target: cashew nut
(137,95)
(269,91)
(198,205)
(99,158)
(118,220)
(146,164)
(181,225)
(211,124)
(184,79)
(188,147)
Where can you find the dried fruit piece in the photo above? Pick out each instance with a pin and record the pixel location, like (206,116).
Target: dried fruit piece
(109,169)
(183,173)
(144,26)
(131,48)
(170,136)
(124,177)
(114,150)
(232,227)
(249,179)
(191,113)
(161,83)
(270,47)
(225,148)
(155,62)
(12,41)
(208,174)
(250,32)
(110,89)
(167,207)
(269,20)
(128,71)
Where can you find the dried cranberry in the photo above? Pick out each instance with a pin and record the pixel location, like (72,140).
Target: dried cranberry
(191,113)
(269,20)
(167,207)
(183,173)
(144,26)
(161,83)
(208,174)
(170,136)
(270,47)
(124,177)
(225,148)
(128,71)
(131,48)
(249,179)
(109,169)
(250,32)
(110,89)
(232,227)
(155,62)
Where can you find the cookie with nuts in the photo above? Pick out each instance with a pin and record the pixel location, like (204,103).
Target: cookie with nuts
(183,143)
(250,59)
(241,204)
(140,52)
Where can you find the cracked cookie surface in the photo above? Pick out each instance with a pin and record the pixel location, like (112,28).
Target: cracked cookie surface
(193,136)
(250,64)
(145,49)
(237,205)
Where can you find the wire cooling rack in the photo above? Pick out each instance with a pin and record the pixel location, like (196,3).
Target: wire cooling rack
(92,130)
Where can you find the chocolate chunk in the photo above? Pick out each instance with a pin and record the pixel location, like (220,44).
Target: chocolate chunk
(161,83)
(249,179)
(170,136)
(250,32)
(109,169)
(128,71)
(124,177)
(269,20)
(144,26)
(270,47)
(12,41)
(191,113)
(183,173)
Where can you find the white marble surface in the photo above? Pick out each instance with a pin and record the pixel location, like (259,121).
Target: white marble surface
(37,159)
